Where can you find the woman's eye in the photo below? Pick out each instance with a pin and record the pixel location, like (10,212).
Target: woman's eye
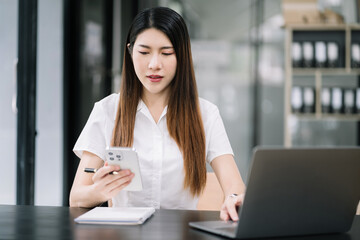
(143,53)
(167,54)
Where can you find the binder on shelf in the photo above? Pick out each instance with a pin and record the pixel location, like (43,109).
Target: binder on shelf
(333,55)
(337,100)
(357,102)
(320,54)
(355,55)
(349,101)
(296,55)
(325,100)
(309,100)
(296,99)
(308,54)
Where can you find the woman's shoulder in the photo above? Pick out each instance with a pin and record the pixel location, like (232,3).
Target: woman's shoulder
(110,99)
(109,104)
(209,113)
(207,107)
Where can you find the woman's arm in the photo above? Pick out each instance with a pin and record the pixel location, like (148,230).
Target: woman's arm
(231,182)
(92,189)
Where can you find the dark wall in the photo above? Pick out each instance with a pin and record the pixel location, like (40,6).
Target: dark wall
(88,54)
(87,71)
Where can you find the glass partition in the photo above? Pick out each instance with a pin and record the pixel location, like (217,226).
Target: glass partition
(8,50)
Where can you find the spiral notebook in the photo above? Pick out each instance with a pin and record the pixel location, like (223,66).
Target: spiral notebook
(117,216)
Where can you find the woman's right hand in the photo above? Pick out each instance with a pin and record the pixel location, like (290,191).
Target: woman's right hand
(91,189)
(109,185)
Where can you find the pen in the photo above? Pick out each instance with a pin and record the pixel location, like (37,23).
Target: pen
(93,170)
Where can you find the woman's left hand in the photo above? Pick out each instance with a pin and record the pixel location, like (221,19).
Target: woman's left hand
(229,208)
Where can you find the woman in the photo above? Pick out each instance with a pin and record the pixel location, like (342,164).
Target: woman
(159,113)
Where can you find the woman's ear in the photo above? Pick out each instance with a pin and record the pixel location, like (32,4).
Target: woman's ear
(128,48)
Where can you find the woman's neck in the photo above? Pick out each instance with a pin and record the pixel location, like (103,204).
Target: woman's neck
(156,104)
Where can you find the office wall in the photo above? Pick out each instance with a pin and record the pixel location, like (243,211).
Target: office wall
(49,124)
(221,53)
(271,75)
(239,65)
(8,55)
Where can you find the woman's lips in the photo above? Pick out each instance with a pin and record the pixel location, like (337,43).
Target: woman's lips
(154,78)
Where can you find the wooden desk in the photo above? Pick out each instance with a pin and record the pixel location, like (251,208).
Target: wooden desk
(51,223)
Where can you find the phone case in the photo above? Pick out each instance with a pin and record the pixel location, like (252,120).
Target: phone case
(126,158)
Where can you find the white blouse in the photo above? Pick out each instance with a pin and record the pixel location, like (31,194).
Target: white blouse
(161,162)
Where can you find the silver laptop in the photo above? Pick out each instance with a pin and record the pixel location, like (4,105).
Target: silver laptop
(296,192)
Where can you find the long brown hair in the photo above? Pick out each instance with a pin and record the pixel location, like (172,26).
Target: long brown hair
(184,121)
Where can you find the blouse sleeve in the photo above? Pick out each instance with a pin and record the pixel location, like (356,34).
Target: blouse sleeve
(92,137)
(217,140)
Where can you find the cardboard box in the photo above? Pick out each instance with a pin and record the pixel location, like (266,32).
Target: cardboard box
(301,12)
(306,12)
(332,17)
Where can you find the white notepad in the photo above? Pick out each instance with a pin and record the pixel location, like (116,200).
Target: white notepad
(119,216)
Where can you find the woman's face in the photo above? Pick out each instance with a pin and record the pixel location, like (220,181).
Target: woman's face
(154,61)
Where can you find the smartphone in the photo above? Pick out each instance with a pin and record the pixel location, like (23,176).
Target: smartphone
(126,158)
